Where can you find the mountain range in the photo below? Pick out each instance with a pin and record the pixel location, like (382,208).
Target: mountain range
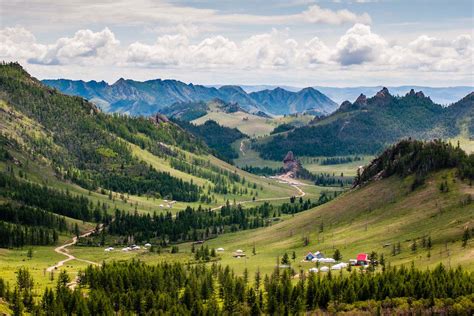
(368,125)
(148,97)
(440,95)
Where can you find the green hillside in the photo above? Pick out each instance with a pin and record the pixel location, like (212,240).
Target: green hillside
(115,155)
(370,124)
(359,222)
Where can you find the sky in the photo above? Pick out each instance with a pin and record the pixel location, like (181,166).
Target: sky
(293,42)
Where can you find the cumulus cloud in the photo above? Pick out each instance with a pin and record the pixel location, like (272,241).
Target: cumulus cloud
(359,48)
(85,46)
(18,43)
(359,45)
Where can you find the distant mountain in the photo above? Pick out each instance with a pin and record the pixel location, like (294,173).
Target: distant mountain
(369,124)
(440,95)
(281,101)
(148,97)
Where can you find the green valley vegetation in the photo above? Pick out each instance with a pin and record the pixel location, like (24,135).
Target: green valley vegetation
(196,224)
(167,288)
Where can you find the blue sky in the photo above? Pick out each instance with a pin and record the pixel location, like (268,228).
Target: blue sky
(293,42)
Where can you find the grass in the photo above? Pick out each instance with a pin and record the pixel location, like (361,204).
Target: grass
(248,124)
(364,221)
(250,157)
(252,125)
(43,256)
(348,169)
(40,171)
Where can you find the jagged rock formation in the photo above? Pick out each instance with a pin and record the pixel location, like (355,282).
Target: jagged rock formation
(291,165)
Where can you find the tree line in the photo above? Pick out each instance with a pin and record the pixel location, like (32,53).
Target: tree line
(177,289)
(194,224)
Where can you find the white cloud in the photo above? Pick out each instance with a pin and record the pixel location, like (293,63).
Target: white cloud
(85,46)
(18,43)
(358,50)
(159,13)
(316,14)
(359,45)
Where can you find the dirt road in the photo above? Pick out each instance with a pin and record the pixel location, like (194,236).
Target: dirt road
(63,251)
(294,183)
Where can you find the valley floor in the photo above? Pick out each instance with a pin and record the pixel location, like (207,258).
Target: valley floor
(375,218)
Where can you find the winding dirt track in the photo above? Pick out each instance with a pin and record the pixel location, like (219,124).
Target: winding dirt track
(295,185)
(242,146)
(63,251)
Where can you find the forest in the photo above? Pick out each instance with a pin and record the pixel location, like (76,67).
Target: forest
(196,224)
(419,158)
(218,138)
(177,289)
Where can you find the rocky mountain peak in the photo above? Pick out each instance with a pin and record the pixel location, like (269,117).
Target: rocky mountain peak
(361,100)
(383,93)
(346,105)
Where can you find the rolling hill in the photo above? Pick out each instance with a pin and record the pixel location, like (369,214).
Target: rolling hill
(66,142)
(386,209)
(148,97)
(369,124)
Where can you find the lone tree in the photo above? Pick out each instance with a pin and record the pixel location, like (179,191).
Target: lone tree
(465,237)
(285,259)
(337,255)
(29,254)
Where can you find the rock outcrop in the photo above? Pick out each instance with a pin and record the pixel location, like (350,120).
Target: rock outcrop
(291,165)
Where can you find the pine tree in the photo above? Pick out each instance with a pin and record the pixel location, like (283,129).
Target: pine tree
(337,255)
(258,279)
(465,237)
(285,260)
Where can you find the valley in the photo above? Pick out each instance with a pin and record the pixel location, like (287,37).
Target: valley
(211,184)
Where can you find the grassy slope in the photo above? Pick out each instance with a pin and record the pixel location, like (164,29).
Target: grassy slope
(255,126)
(349,169)
(363,221)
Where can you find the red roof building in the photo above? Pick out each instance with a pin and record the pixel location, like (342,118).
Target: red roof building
(362,257)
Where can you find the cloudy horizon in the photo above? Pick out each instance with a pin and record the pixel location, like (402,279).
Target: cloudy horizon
(296,43)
